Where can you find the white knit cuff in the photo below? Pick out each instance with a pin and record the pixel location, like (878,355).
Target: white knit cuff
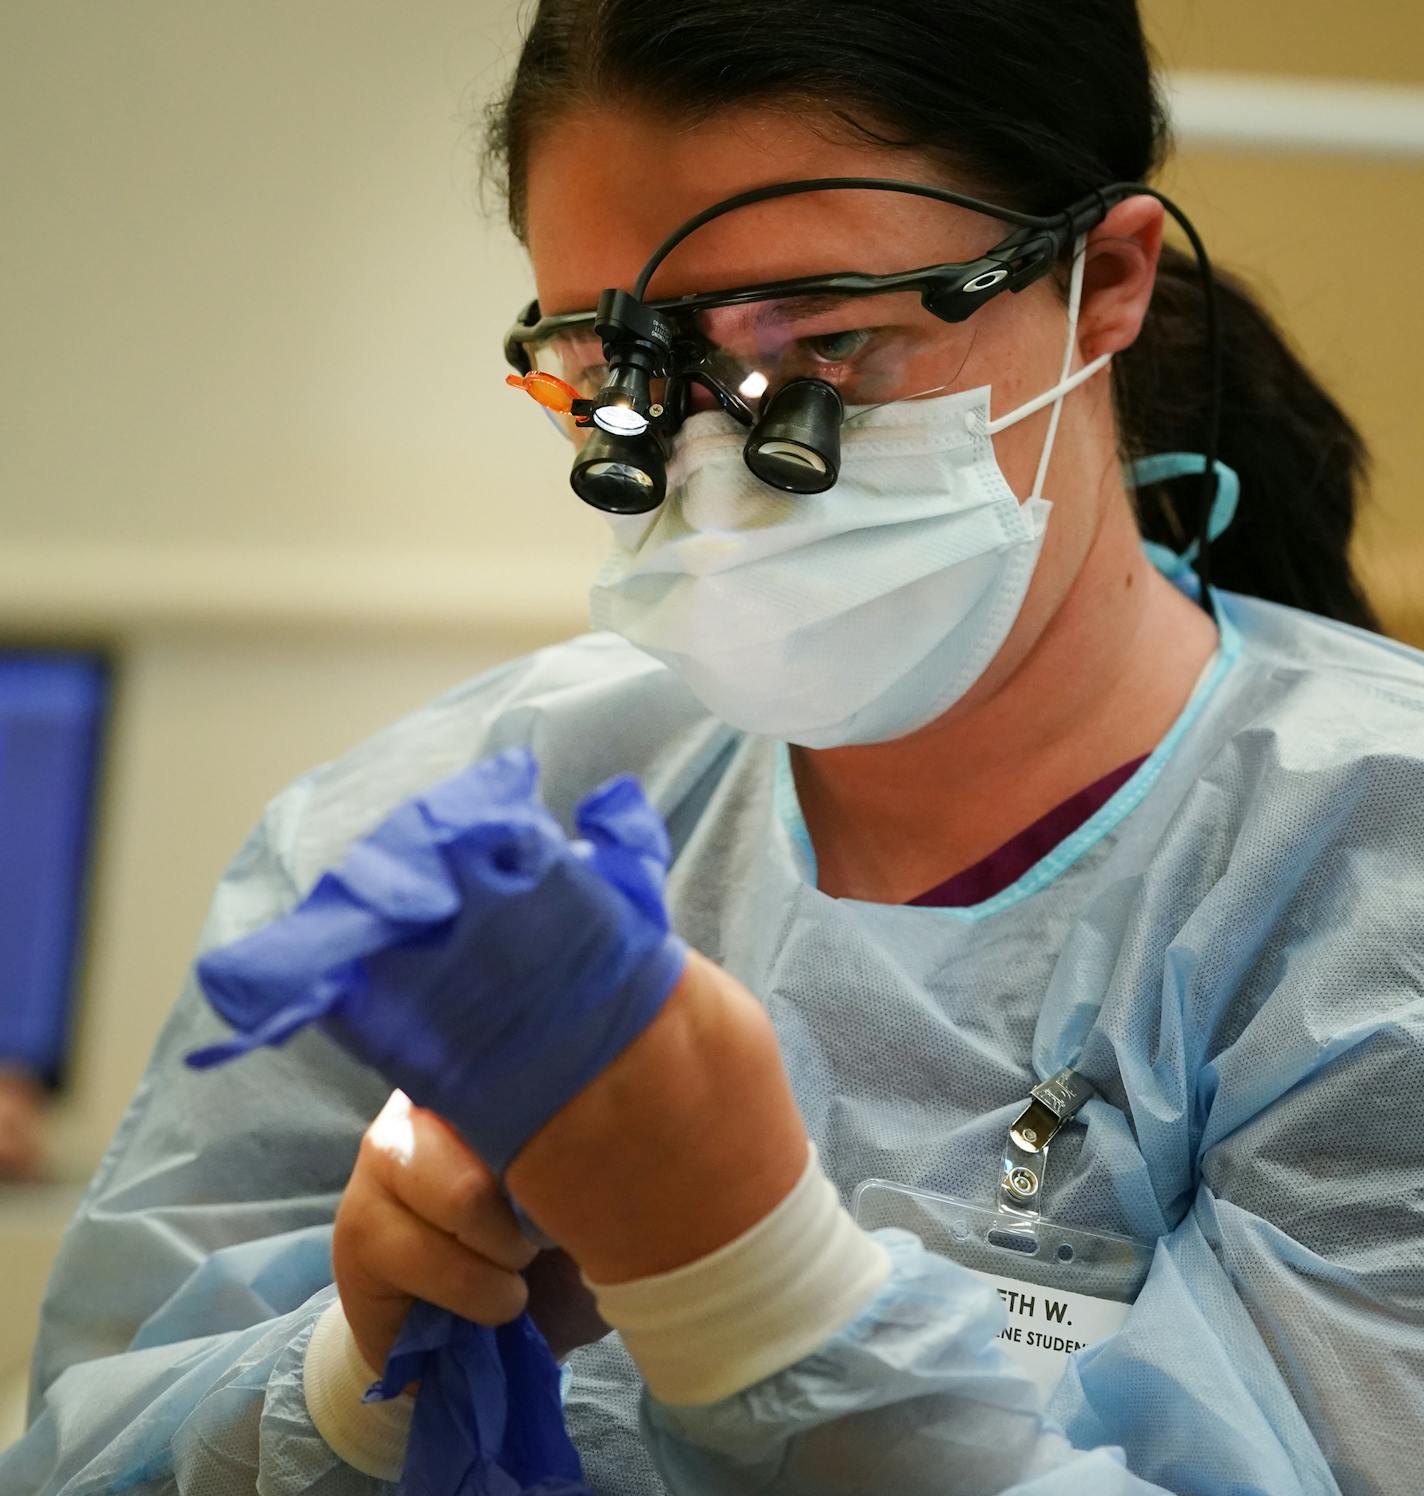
(371,1437)
(753,1307)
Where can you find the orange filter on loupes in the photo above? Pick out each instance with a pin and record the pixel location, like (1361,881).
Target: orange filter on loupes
(548,389)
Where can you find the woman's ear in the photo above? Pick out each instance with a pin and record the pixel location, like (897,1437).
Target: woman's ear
(1119,275)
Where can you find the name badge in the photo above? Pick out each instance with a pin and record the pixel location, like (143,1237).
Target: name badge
(1065,1287)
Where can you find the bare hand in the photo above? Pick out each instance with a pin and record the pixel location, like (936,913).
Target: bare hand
(21,1125)
(422,1217)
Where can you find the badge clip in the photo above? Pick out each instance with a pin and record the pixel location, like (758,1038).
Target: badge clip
(1052,1103)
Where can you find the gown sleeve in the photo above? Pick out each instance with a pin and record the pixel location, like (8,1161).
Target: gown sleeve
(186,1288)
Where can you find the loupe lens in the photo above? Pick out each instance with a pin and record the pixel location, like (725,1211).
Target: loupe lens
(620,474)
(792,453)
(796,445)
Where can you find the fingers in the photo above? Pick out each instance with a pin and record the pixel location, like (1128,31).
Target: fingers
(417,1261)
(422,1218)
(384,1258)
(425,1166)
(21,1126)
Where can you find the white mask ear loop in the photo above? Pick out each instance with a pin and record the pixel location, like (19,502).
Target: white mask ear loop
(1075,300)
(1065,385)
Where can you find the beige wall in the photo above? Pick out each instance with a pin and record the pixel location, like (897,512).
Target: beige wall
(255,306)
(1381,41)
(252,311)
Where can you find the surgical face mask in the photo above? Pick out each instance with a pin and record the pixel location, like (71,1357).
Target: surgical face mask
(852,616)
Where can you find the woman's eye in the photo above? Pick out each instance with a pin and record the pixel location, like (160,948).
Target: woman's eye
(588,379)
(578,361)
(837,347)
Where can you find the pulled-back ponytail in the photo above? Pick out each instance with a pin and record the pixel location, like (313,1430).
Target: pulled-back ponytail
(1301,462)
(1037,103)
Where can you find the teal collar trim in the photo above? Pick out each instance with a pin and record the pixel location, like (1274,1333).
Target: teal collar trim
(1063,856)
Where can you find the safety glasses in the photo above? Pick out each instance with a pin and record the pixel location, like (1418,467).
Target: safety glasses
(872,338)
(786,359)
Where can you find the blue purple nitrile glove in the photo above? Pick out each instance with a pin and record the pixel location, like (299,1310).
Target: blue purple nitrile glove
(488,1419)
(491,968)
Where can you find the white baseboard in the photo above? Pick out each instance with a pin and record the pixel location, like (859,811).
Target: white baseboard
(1318,115)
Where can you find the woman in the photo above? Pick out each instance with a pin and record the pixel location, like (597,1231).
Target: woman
(1078,822)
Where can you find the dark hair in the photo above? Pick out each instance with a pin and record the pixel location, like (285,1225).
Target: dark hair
(1036,103)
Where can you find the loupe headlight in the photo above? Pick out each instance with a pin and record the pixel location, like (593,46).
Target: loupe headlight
(624,405)
(796,445)
(636,343)
(620,474)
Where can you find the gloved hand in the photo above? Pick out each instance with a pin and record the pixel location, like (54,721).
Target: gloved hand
(470,952)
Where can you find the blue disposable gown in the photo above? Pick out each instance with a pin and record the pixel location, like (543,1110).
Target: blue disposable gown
(1232,950)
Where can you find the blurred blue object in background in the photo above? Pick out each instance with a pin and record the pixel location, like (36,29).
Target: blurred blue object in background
(52,709)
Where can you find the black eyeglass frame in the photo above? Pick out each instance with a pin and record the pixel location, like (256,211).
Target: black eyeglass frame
(688,359)
(952,291)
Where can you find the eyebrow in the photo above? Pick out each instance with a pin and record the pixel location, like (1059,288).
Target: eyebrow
(776,313)
(792,308)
